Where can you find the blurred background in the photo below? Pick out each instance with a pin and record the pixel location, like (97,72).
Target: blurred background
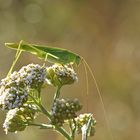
(106,33)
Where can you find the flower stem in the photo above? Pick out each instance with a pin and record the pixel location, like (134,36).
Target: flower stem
(62,131)
(57,94)
(73,128)
(42,109)
(42,126)
(55,128)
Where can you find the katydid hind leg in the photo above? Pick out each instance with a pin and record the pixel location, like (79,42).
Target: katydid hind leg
(17,55)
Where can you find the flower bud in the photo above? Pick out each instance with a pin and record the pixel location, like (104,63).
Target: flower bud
(59,75)
(63,110)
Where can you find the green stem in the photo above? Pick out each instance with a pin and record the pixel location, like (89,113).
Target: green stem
(43,110)
(42,126)
(73,129)
(55,128)
(57,94)
(39,94)
(62,131)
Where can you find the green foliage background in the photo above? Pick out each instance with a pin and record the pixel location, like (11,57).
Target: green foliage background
(106,33)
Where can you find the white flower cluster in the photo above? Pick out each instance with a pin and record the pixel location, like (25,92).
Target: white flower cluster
(14,88)
(62,74)
(11,80)
(82,122)
(10,115)
(31,106)
(83,117)
(64,70)
(18,118)
(13,97)
(32,75)
(12,93)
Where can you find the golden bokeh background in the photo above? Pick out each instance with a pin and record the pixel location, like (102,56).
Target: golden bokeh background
(106,33)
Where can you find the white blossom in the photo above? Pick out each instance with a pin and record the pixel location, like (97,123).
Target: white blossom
(10,115)
(32,75)
(12,98)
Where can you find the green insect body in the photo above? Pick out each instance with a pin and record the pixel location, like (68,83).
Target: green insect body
(50,54)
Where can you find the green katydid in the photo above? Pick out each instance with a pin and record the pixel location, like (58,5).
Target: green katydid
(58,55)
(53,55)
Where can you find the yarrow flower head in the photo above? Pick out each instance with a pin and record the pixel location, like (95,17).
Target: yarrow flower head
(18,118)
(12,92)
(63,110)
(82,122)
(60,75)
(13,97)
(15,87)
(33,75)
(12,80)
